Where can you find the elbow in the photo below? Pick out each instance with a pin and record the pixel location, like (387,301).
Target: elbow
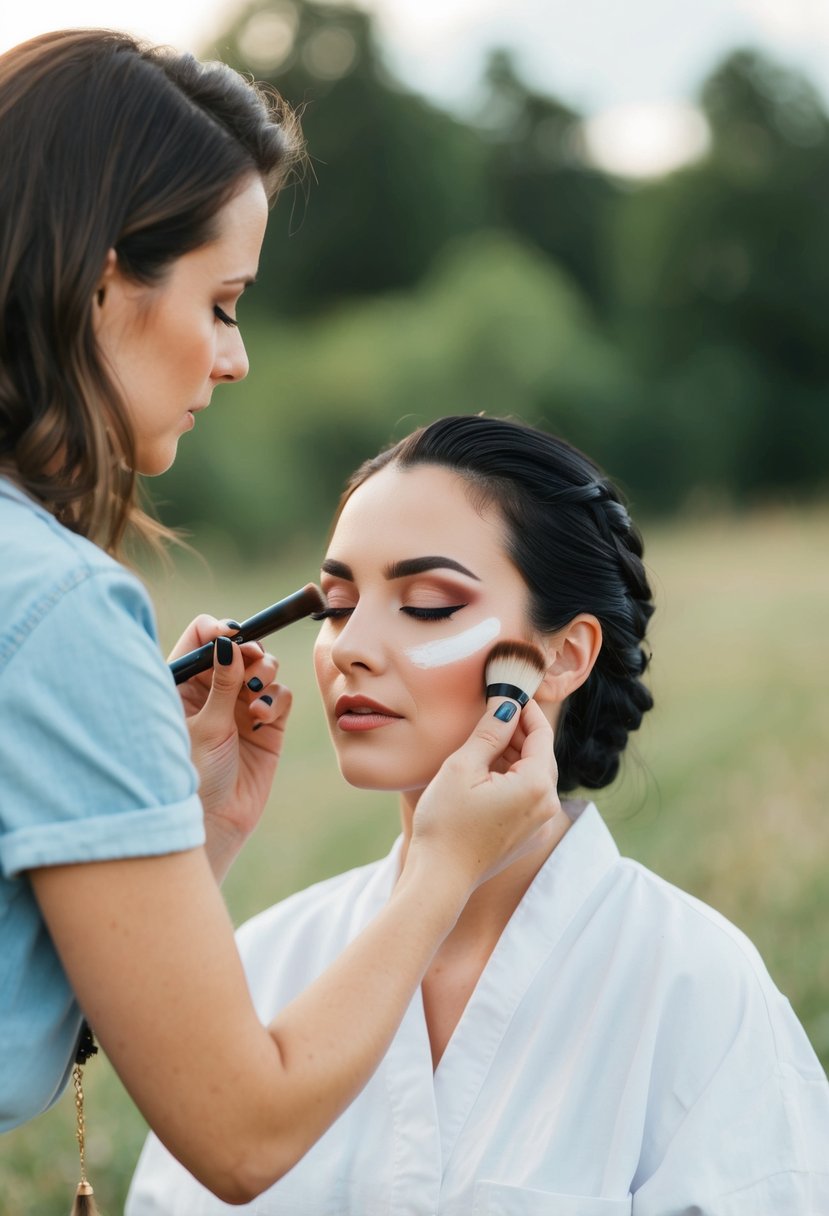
(251,1172)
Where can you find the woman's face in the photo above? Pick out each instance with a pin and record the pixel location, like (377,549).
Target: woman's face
(168,345)
(419,589)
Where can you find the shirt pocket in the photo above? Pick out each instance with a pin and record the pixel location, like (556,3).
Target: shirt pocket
(495,1199)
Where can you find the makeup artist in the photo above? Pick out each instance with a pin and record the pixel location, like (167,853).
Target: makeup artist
(133,201)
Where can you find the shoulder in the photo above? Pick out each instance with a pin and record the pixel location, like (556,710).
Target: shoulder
(712,980)
(62,586)
(59,578)
(671,913)
(33,534)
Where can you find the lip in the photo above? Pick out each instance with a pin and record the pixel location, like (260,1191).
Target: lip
(362,713)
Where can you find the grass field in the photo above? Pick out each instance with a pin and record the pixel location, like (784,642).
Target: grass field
(724,793)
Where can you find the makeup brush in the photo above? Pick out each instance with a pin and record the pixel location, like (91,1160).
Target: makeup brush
(293,608)
(514,670)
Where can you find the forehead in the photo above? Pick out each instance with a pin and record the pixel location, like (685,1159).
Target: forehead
(233,253)
(406,512)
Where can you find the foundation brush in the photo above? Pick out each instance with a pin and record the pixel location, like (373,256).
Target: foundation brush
(514,670)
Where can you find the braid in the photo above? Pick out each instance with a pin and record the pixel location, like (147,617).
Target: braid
(598,717)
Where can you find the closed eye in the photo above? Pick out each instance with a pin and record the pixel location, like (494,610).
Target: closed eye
(331,614)
(433,614)
(221,315)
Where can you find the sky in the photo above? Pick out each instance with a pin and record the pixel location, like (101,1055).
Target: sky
(632,66)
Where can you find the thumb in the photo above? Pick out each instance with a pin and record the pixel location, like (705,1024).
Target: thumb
(216,718)
(491,737)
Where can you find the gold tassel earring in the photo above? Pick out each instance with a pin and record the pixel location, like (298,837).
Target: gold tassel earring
(84,1204)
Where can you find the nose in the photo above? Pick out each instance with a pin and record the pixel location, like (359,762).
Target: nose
(358,645)
(231,362)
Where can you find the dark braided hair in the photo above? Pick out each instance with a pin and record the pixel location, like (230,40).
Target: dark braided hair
(570,536)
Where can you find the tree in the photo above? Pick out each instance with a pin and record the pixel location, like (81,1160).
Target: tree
(392,178)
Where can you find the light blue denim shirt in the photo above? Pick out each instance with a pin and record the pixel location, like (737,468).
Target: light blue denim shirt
(94,765)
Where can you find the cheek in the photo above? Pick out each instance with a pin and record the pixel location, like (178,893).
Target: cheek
(322,664)
(450,697)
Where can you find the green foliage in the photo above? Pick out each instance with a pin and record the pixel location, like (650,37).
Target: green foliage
(390,180)
(721,276)
(493,326)
(427,265)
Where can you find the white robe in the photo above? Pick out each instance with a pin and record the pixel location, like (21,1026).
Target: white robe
(624,1052)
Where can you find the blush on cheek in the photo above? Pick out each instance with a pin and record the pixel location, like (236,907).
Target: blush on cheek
(443,651)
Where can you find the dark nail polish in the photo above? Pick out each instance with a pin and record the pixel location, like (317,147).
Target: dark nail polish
(255,685)
(506,712)
(233,625)
(224,651)
(258,724)
(268,700)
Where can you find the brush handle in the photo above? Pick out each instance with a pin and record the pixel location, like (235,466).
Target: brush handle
(293,608)
(507,690)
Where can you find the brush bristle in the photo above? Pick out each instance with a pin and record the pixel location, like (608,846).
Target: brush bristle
(514,665)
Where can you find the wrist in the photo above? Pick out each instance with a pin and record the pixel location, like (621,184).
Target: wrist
(223,842)
(436,883)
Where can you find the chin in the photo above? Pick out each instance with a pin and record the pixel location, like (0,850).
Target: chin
(153,464)
(363,775)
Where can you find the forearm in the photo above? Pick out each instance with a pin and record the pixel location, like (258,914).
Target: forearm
(238,1103)
(332,1037)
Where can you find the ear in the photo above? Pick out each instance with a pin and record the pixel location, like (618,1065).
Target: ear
(107,276)
(571,655)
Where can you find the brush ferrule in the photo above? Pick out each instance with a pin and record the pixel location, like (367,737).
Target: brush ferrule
(507,690)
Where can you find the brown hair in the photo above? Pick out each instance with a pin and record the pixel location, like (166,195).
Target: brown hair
(105,143)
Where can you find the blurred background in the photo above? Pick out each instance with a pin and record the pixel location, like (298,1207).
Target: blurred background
(610,223)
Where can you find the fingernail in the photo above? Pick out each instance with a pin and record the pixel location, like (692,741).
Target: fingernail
(506,712)
(258,724)
(224,651)
(233,625)
(255,685)
(268,700)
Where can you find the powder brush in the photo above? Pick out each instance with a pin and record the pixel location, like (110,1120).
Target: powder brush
(514,670)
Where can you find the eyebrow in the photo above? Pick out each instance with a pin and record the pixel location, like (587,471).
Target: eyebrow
(245,280)
(401,569)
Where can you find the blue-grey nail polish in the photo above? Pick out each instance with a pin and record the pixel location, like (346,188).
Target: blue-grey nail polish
(268,700)
(506,712)
(224,651)
(233,625)
(255,685)
(258,724)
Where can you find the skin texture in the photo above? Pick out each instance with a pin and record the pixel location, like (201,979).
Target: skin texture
(366,652)
(165,344)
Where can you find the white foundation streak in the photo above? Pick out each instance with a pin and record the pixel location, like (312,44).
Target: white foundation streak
(461,646)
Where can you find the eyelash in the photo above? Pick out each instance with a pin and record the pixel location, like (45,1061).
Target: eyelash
(221,315)
(419,614)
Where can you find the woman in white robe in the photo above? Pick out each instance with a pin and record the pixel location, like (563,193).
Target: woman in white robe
(589,1041)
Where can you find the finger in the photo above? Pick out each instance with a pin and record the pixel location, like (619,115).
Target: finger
(216,719)
(490,737)
(260,670)
(271,708)
(204,628)
(538,743)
